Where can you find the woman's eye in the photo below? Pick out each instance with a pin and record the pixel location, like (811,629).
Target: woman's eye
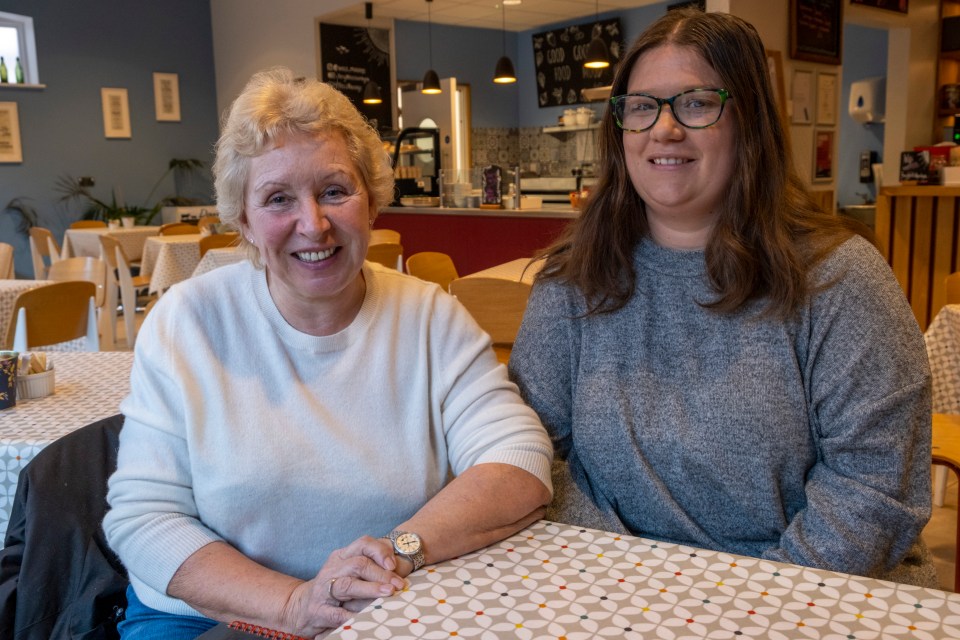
(334,193)
(277,198)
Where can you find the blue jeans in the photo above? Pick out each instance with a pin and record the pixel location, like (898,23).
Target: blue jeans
(143,623)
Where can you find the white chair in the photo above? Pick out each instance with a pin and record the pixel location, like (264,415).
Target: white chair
(6,261)
(120,277)
(42,245)
(91,270)
(55,313)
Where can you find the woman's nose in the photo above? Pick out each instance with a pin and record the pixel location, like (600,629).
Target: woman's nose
(666,127)
(313,218)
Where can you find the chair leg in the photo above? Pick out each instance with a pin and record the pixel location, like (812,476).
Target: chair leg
(939,484)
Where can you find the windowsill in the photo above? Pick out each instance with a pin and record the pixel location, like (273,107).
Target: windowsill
(13,85)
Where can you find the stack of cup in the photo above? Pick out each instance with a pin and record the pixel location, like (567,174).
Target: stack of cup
(8,378)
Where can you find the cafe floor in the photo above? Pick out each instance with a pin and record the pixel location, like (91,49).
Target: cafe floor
(940,535)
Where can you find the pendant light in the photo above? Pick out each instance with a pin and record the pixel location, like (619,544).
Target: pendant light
(504,73)
(431,81)
(597,57)
(371,90)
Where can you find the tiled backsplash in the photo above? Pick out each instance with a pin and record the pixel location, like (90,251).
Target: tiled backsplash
(543,153)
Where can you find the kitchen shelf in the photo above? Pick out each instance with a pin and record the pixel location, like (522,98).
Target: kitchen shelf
(21,86)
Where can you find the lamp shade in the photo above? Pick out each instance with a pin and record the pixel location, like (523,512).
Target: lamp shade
(431,82)
(597,57)
(504,73)
(371,93)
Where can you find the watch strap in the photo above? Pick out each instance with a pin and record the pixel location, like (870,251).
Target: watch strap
(416,559)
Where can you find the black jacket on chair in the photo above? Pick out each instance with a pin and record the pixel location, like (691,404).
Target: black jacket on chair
(58,577)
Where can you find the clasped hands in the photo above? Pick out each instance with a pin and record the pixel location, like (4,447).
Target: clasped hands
(351,578)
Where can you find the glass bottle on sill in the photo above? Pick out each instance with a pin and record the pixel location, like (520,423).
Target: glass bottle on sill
(3,70)
(18,72)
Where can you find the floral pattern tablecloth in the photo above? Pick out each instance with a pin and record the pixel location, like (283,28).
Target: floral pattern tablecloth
(86,242)
(559,581)
(170,259)
(89,386)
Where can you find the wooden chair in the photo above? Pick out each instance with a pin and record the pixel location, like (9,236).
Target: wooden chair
(92,270)
(119,276)
(433,266)
(6,261)
(217,241)
(389,254)
(497,305)
(42,245)
(382,236)
(88,224)
(206,221)
(54,313)
(178,229)
(952,284)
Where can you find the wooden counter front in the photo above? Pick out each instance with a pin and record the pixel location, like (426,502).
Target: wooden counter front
(476,239)
(918,234)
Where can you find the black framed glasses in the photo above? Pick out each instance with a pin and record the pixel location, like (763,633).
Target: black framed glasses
(694,109)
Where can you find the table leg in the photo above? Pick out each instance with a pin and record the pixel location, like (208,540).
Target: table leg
(956,470)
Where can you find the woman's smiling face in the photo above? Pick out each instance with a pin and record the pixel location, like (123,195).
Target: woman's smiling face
(681,174)
(308,213)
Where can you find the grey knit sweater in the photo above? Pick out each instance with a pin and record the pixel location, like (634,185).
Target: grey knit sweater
(805,441)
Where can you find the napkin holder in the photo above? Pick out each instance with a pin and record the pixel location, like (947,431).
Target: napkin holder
(36,385)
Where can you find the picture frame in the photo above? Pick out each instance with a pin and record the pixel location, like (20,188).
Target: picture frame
(11,150)
(823,155)
(116,112)
(166,96)
(802,95)
(899,6)
(826,98)
(816,30)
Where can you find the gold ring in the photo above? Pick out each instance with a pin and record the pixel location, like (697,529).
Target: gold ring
(330,592)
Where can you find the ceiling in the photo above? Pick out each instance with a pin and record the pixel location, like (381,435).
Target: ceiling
(486,14)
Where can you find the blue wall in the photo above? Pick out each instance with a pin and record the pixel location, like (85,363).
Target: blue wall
(83,46)
(855,137)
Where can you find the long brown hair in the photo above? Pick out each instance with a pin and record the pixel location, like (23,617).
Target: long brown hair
(769,232)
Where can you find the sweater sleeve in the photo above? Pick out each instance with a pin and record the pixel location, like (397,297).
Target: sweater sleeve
(153,523)
(868,393)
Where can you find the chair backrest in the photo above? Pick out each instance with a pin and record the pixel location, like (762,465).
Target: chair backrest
(206,221)
(952,282)
(496,304)
(60,578)
(81,268)
(88,224)
(386,253)
(42,245)
(54,313)
(112,253)
(6,261)
(381,236)
(178,228)
(433,266)
(218,240)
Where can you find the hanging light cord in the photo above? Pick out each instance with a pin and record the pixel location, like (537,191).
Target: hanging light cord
(503,33)
(430,33)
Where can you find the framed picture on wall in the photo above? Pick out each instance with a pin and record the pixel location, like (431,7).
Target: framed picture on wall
(166,96)
(116,112)
(816,30)
(823,156)
(801,93)
(827,98)
(10,149)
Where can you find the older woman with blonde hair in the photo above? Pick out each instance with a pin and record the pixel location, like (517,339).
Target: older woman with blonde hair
(718,362)
(305,429)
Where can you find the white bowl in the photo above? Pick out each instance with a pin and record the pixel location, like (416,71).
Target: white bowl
(36,385)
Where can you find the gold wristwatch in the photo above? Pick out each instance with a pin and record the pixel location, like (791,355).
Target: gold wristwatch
(409,545)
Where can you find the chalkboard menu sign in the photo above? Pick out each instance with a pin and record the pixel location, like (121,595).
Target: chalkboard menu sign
(349,56)
(558,57)
(816,30)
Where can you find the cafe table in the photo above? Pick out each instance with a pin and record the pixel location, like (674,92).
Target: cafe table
(88,387)
(86,242)
(170,259)
(520,270)
(218,257)
(560,581)
(943,350)
(9,290)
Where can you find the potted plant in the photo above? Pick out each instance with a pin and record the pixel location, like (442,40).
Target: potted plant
(114,212)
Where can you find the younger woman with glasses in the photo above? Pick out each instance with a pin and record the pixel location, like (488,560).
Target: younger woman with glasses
(719,363)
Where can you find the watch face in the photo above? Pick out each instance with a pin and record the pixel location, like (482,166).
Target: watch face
(408,542)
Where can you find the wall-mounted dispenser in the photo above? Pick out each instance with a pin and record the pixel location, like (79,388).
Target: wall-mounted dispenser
(868,99)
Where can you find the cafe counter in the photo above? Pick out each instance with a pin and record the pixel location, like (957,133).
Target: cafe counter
(476,239)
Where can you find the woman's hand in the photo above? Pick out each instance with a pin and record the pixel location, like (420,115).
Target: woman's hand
(352,577)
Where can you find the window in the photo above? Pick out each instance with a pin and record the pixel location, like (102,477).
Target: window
(17,41)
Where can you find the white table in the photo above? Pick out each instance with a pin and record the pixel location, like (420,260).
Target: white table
(170,259)
(9,290)
(943,350)
(89,387)
(86,242)
(560,581)
(516,270)
(220,257)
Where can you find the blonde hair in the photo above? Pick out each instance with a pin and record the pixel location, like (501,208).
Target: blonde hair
(275,104)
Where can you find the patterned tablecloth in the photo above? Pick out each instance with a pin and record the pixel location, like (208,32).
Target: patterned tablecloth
(558,581)
(86,242)
(943,350)
(9,290)
(170,259)
(515,270)
(88,386)
(214,258)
